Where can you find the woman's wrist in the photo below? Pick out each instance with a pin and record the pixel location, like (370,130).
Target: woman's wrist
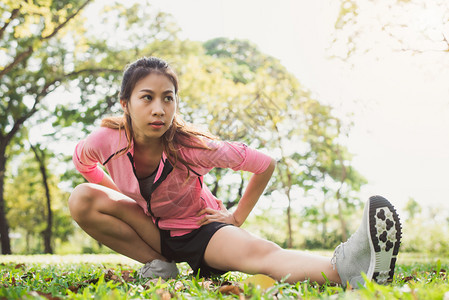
(236,220)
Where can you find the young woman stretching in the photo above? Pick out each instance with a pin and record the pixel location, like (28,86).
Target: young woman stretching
(154,207)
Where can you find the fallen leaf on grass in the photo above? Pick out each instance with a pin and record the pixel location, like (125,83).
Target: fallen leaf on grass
(91,281)
(408,278)
(179,286)
(153,281)
(230,289)
(206,284)
(163,294)
(74,289)
(108,274)
(261,281)
(27,275)
(48,296)
(441,273)
(126,275)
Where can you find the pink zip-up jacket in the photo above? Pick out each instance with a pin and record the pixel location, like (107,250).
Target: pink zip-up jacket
(175,200)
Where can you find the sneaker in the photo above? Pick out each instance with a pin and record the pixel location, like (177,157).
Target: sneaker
(158,268)
(373,248)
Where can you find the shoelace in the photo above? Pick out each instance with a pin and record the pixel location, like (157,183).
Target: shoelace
(142,270)
(334,257)
(342,246)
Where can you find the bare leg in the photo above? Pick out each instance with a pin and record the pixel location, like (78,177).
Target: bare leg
(116,221)
(232,248)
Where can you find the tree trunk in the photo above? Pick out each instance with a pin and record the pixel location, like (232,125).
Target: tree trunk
(289,210)
(344,231)
(47,233)
(214,190)
(4,227)
(324,223)
(27,239)
(289,225)
(344,175)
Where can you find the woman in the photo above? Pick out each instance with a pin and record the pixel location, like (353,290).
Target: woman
(155,209)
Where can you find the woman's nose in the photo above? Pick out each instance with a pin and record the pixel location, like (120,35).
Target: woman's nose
(157,109)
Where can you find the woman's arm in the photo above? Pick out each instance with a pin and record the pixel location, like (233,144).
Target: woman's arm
(107,182)
(254,190)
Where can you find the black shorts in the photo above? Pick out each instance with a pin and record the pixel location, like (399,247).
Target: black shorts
(190,248)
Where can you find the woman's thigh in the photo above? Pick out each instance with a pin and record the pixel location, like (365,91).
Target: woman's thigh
(91,204)
(234,249)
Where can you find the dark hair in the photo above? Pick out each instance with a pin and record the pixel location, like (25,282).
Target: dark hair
(140,69)
(180,134)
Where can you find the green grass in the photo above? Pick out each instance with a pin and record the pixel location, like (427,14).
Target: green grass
(112,277)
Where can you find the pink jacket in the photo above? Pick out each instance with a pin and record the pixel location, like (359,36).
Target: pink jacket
(174,202)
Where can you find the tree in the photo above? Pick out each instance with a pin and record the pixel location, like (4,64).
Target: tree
(36,63)
(28,203)
(412,208)
(228,85)
(272,110)
(41,156)
(415,26)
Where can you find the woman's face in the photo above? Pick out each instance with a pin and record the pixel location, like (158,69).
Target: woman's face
(152,107)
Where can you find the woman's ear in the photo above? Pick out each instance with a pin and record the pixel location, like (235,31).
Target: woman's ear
(124,105)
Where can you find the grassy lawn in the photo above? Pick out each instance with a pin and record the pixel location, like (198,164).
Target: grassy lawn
(112,277)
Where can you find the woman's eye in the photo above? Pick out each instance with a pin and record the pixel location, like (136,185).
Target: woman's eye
(147,97)
(168,98)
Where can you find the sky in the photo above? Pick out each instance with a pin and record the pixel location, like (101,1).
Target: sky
(398,100)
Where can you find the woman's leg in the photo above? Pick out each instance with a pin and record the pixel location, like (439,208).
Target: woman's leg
(232,248)
(116,221)
(372,249)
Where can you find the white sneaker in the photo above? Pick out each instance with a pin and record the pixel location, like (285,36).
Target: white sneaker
(373,248)
(158,268)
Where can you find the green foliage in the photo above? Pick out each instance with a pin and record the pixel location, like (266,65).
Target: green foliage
(425,230)
(35,61)
(78,277)
(228,86)
(26,200)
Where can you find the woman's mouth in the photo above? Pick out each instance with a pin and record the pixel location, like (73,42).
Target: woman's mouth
(157,124)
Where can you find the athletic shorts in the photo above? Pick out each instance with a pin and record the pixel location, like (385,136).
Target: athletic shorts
(190,248)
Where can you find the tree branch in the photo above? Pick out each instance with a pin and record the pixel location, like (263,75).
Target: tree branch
(17,60)
(93,70)
(66,21)
(18,123)
(14,14)
(44,92)
(30,49)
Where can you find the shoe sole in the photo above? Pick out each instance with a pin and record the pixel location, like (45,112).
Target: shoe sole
(385,235)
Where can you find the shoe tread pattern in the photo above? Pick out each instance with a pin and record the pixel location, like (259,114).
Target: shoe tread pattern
(385,229)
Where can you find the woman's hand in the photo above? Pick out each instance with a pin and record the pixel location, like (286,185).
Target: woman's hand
(212,215)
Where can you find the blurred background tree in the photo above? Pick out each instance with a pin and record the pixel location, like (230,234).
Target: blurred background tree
(414,26)
(62,74)
(35,61)
(28,205)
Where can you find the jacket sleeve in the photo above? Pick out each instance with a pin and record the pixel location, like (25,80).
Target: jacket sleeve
(86,159)
(233,155)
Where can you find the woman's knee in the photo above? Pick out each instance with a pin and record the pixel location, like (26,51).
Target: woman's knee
(260,249)
(81,201)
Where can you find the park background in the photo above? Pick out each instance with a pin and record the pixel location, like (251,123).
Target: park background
(351,98)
